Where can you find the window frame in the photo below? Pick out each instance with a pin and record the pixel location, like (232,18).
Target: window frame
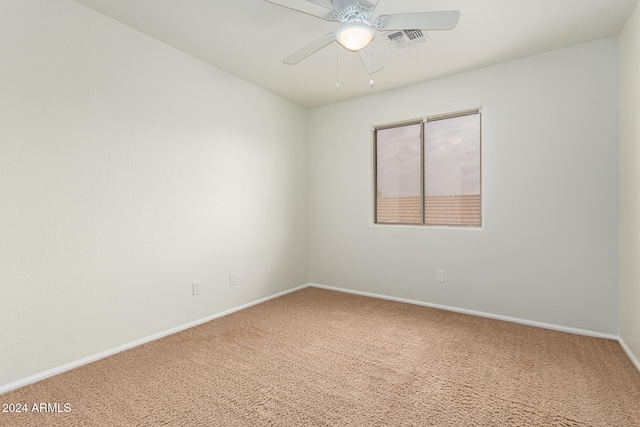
(422,122)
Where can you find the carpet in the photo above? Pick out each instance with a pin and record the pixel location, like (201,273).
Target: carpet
(323,358)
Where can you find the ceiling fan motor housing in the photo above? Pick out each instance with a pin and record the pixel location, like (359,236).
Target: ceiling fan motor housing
(354,13)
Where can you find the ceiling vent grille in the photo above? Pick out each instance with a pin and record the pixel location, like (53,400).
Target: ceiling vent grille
(405,38)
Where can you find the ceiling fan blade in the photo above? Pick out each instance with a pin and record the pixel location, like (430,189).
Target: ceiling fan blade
(369,3)
(304,6)
(309,49)
(371,60)
(445,20)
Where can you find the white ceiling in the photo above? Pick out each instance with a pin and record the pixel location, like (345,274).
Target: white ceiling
(249,38)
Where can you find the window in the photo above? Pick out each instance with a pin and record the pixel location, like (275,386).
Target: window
(428,172)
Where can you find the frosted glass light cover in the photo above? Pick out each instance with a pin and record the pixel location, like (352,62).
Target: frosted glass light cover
(354,36)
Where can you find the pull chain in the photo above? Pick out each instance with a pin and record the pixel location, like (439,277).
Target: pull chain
(370,74)
(337,68)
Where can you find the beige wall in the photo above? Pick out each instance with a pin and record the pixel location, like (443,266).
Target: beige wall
(128,170)
(548,248)
(630,184)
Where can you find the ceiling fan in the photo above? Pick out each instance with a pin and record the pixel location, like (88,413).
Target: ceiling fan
(356,29)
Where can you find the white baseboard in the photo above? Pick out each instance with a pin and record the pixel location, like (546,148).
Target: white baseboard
(630,354)
(68,366)
(85,360)
(475,313)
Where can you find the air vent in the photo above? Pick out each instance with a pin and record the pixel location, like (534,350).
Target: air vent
(405,38)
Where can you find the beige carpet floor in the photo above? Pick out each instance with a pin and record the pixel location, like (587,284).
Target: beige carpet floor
(323,358)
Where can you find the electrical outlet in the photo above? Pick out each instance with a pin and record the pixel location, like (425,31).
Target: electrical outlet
(440,276)
(195,288)
(233,279)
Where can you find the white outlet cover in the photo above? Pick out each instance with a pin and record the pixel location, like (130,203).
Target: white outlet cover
(195,287)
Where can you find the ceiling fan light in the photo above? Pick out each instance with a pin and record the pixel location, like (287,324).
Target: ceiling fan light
(354,36)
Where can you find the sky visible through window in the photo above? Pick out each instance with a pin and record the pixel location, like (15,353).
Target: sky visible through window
(399,161)
(452,158)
